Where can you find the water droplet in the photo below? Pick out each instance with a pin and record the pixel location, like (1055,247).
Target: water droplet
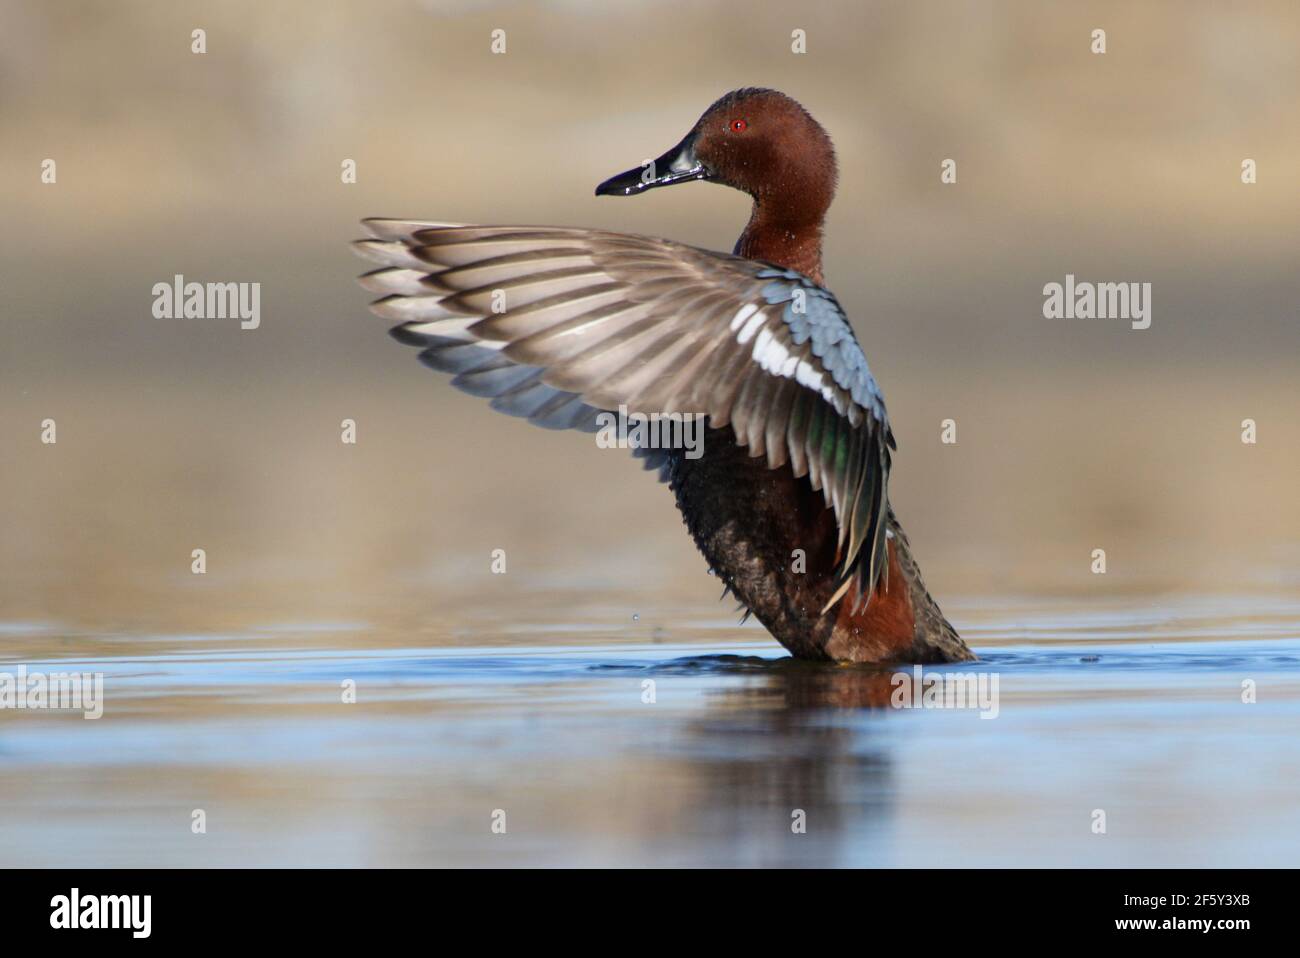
(636,617)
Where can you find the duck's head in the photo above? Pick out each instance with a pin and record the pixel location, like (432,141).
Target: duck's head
(758,141)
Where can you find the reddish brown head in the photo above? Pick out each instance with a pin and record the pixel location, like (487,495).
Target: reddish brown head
(765,144)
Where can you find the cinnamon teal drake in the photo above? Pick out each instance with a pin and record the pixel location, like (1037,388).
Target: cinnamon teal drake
(789,499)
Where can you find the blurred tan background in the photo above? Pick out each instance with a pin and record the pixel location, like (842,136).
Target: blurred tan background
(1072,434)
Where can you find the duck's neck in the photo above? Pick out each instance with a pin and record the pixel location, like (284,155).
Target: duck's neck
(785,238)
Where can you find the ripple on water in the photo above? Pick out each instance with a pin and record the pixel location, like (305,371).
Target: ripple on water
(1139,711)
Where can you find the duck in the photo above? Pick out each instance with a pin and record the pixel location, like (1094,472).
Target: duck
(787,498)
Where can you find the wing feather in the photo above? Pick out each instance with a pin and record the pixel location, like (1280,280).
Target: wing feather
(554,324)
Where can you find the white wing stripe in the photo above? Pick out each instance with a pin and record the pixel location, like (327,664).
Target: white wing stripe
(772,356)
(743,314)
(746,334)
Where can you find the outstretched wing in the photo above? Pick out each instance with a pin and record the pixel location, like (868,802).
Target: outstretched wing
(557,324)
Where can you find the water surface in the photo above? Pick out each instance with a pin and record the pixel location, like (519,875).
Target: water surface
(1130,707)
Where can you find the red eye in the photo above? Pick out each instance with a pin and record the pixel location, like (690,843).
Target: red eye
(738,126)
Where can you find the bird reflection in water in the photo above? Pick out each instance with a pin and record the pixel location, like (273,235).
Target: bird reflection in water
(792,737)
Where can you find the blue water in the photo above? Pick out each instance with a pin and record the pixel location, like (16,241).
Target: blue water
(1133,710)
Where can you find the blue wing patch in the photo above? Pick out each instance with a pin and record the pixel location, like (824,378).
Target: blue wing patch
(822,320)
